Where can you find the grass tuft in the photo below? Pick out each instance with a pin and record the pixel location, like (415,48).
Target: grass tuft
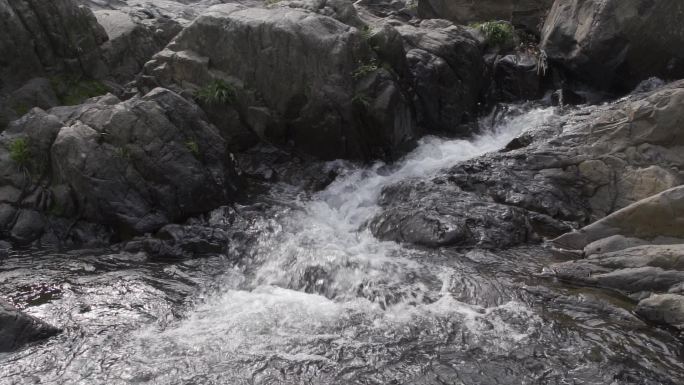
(497,33)
(20,152)
(72,91)
(216,93)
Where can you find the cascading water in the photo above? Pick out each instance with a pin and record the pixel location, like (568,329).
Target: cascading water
(316,299)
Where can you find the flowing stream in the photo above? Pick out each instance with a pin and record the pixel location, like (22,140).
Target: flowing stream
(311,297)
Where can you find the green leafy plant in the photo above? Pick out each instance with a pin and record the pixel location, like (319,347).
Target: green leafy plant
(216,93)
(193,147)
(20,152)
(72,91)
(497,33)
(365,69)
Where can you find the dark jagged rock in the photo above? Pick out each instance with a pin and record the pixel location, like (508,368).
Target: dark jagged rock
(18,329)
(517,77)
(436,217)
(132,166)
(272,165)
(615,44)
(446,68)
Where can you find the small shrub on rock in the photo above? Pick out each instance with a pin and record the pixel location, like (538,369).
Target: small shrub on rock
(216,93)
(497,33)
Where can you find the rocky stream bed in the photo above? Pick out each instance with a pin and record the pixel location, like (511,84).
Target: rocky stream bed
(338,192)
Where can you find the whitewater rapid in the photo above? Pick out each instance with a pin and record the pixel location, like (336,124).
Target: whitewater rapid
(318,269)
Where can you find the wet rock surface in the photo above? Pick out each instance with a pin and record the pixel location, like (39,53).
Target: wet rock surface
(568,171)
(427,270)
(637,250)
(18,329)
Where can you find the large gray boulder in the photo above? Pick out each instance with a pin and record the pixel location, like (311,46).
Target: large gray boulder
(525,13)
(300,78)
(18,329)
(445,70)
(615,44)
(130,166)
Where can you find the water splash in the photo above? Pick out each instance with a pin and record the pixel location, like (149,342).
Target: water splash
(320,275)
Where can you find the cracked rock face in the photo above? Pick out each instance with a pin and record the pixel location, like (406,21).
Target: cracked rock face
(130,166)
(133,40)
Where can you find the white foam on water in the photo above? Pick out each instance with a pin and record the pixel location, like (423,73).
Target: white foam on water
(326,244)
